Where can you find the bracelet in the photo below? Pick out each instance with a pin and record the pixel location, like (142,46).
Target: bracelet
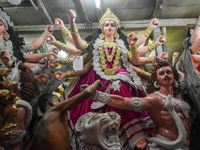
(43,35)
(65,31)
(198,23)
(74,30)
(79,52)
(152,45)
(148,31)
(133,50)
(85,44)
(64,60)
(136,103)
(150,59)
(144,74)
(59,44)
(70,73)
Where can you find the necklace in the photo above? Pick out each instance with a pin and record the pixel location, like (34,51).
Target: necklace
(109,43)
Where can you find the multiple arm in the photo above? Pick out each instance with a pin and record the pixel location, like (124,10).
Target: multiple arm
(153,24)
(196,33)
(79,44)
(67,48)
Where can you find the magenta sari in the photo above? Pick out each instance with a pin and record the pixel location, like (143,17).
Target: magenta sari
(133,125)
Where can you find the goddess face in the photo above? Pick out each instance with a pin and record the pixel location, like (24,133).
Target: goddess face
(2,27)
(165,76)
(109,28)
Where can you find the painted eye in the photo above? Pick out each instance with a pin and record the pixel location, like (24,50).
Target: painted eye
(106,24)
(161,73)
(112,25)
(168,72)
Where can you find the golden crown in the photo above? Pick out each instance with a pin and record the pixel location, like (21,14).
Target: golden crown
(108,15)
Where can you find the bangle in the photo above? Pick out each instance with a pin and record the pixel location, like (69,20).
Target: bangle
(148,31)
(144,74)
(85,44)
(79,52)
(65,31)
(136,103)
(70,73)
(149,59)
(133,50)
(64,60)
(59,44)
(74,30)
(198,23)
(152,45)
(43,35)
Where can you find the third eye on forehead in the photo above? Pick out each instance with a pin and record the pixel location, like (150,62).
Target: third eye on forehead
(112,24)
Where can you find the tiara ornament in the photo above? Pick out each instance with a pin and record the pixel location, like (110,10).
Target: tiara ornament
(108,15)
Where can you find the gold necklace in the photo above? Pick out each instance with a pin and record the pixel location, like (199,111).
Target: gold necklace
(103,60)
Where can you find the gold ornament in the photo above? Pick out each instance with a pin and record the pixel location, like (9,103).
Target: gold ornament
(134,50)
(59,44)
(116,35)
(71,73)
(79,52)
(65,31)
(65,60)
(85,44)
(74,30)
(148,31)
(144,74)
(150,59)
(106,44)
(152,45)
(108,15)
(101,36)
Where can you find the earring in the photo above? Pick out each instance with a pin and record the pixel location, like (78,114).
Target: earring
(116,36)
(176,83)
(156,84)
(101,36)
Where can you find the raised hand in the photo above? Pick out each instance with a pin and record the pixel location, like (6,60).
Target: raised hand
(153,23)
(49,30)
(53,57)
(72,16)
(43,63)
(160,40)
(164,56)
(59,23)
(50,39)
(132,39)
(59,75)
(42,78)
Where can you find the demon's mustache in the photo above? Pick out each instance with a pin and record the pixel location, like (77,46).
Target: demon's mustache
(167,78)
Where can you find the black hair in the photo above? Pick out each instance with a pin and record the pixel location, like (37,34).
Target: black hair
(17,42)
(43,99)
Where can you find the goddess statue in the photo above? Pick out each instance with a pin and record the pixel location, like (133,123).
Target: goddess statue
(110,56)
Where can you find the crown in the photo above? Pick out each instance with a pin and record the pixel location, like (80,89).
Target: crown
(108,15)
